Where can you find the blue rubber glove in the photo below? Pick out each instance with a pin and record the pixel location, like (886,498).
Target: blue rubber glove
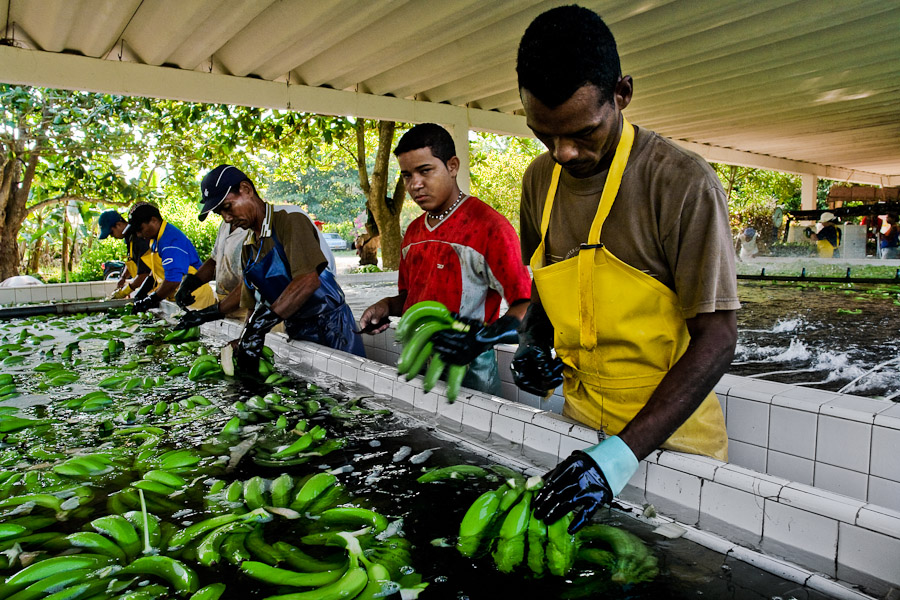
(584,482)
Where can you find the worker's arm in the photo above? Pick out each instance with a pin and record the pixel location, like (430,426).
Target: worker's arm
(379,312)
(207,271)
(295,295)
(231,302)
(688,382)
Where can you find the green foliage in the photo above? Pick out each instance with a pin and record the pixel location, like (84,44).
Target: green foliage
(792,249)
(183,214)
(366,269)
(498,164)
(90,267)
(347,230)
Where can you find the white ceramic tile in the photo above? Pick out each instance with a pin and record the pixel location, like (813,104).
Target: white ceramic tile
(523,397)
(723,402)
(748,421)
(553,422)
(477,418)
(405,391)
(885,449)
(803,398)
(869,552)
(841,481)
(889,417)
(451,414)
(844,443)
(383,385)
(756,390)
(365,379)
(749,481)
(569,444)
(554,404)
(793,431)
(320,363)
(427,401)
(880,519)
(68,292)
(884,492)
(725,383)
(509,391)
(586,434)
(540,439)
(38,294)
(855,408)
(98,289)
(636,486)
(792,468)
(348,372)
(508,429)
(674,493)
(808,538)
(519,412)
(737,514)
(701,466)
(22,295)
(7,296)
(503,361)
(821,502)
(747,455)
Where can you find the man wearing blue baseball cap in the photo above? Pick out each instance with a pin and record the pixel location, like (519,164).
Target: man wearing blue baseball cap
(288,271)
(113,224)
(177,257)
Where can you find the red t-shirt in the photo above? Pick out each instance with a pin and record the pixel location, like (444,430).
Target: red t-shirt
(468,262)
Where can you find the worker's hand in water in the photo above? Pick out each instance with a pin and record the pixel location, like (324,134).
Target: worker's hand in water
(147,302)
(462,347)
(122,292)
(250,346)
(536,370)
(584,482)
(195,318)
(184,296)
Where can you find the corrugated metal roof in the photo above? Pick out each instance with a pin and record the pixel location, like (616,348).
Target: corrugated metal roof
(813,80)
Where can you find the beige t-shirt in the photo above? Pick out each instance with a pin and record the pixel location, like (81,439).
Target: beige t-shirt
(227,254)
(669,220)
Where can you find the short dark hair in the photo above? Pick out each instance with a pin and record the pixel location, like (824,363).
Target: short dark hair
(143,214)
(428,135)
(565,49)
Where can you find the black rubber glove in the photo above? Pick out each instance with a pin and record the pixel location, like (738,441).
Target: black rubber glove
(808,232)
(251,344)
(534,368)
(195,318)
(145,288)
(147,302)
(576,484)
(462,347)
(184,296)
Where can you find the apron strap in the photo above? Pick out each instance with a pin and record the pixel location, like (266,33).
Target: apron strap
(587,255)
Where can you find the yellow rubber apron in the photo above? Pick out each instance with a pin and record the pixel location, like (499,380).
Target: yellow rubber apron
(618,330)
(204,295)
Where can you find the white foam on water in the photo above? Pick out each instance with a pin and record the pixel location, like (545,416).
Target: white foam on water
(796,351)
(786,325)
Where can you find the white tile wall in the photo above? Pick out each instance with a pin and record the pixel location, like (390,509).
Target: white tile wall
(748,421)
(747,455)
(793,432)
(885,451)
(841,481)
(674,493)
(884,492)
(865,555)
(727,508)
(844,443)
(791,532)
(790,467)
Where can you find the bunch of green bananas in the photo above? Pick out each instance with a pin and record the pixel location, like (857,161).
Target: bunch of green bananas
(501,522)
(414,330)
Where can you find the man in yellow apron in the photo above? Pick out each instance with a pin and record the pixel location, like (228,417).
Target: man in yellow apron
(828,238)
(136,271)
(171,257)
(634,278)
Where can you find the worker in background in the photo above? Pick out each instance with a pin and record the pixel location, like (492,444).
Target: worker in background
(827,237)
(223,267)
(175,257)
(633,262)
(136,270)
(286,274)
(459,252)
(890,237)
(748,243)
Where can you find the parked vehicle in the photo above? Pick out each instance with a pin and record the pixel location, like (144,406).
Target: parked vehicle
(335,241)
(112,269)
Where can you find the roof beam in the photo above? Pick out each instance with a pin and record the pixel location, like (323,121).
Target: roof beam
(29,67)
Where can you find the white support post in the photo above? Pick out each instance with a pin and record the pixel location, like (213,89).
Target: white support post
(460,133)
(808,188)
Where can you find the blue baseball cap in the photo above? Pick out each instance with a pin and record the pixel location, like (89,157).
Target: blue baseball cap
(217,184)
(108,220)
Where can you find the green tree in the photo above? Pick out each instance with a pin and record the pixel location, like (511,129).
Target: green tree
(497,166)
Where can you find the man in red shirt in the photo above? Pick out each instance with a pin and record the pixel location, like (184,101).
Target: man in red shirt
(461,253)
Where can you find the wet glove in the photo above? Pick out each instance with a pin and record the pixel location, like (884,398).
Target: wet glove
(147,302)
(146,288)
(184,296)
(534,367)
(195,318)
(122,292)
(584,482)
(808,232)
(462,347)
(251,344)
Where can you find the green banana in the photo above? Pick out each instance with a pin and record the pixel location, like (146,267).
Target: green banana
(96,543)
(276,576)
(314,487)
(188,534)
(213,591)
(176,573)
(510,550)
(170,479)
(419,312)
(351,515)
(209,550)
(455,375)
(51,566)
(148,527)
(349,585)
(121,531)
(281,490)
(417,343)
(477,521)
(303,562)
(630,560)
(561,546)
(433,374)
(454,472)
(254,492)
(537,539)
(234,549)
(301,444)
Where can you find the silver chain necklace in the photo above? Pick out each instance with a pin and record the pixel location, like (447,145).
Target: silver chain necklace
(441,216)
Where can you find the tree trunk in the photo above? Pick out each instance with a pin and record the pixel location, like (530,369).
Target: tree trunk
(387,214)
(64,275)
(14,188)
(34,261)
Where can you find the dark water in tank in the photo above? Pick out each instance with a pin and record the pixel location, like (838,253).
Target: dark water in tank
(835,337)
